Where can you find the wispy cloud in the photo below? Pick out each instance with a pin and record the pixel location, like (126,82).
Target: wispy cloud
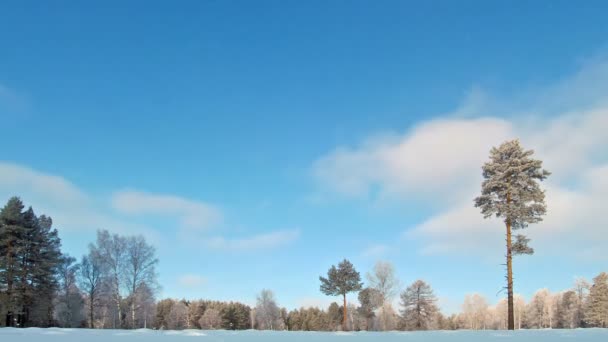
(73,210)
(256,242)
(18,179)
(191,281)
(420,162)
(191,214)
(376,251)
(439,162)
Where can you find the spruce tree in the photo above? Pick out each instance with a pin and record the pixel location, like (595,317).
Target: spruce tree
(510,191)
(29,259)
(596,311)
(11,233)
(419,307)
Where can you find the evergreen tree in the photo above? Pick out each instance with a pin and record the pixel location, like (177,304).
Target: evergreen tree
(370,300)
(510,190)
(29,259)
(69,307)
(419,308)
(335,315)
(235,316)
(340,281)
(11,234)
(596,311)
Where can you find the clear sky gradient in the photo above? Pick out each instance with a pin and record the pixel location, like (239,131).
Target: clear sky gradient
(256,143)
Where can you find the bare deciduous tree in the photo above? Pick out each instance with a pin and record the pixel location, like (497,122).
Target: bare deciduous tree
(384,280)
(140,273)
(90,278)
(112,250)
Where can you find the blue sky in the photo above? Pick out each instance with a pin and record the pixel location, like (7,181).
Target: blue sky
(257,143)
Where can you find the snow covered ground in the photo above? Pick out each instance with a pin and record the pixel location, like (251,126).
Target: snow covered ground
(85,335)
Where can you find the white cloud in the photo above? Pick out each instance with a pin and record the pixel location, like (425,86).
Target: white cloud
(439,162)
(191,280)
(375,251)
(18,179)
(72,209)
(257,242)
(431,157)
(191,214)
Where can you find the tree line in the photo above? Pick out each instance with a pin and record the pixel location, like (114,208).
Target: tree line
(114,286)
(584,305)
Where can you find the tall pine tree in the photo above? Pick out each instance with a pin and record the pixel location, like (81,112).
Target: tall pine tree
(510,191)
(341,281)
(29,258)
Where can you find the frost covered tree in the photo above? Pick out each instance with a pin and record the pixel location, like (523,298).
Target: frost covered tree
(540,311)
(267,312)
(596,311)
(177,318)
(211,319)
(511,191)
(581,287)
(341,281)
(112,250)
(475,309)
(566,310)
(90,278)
(520,310)
(385,282)
(139,273)
(419,308)
(334,316)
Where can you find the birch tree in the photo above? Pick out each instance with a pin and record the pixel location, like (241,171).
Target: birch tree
(581,287)
(267,312)
(112,250)
(140,272)
(511,191)
(90,278)
(385,282)
(475,308)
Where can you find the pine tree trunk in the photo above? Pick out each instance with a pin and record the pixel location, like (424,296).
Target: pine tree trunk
(344,318)
(9,286)
(510,311)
